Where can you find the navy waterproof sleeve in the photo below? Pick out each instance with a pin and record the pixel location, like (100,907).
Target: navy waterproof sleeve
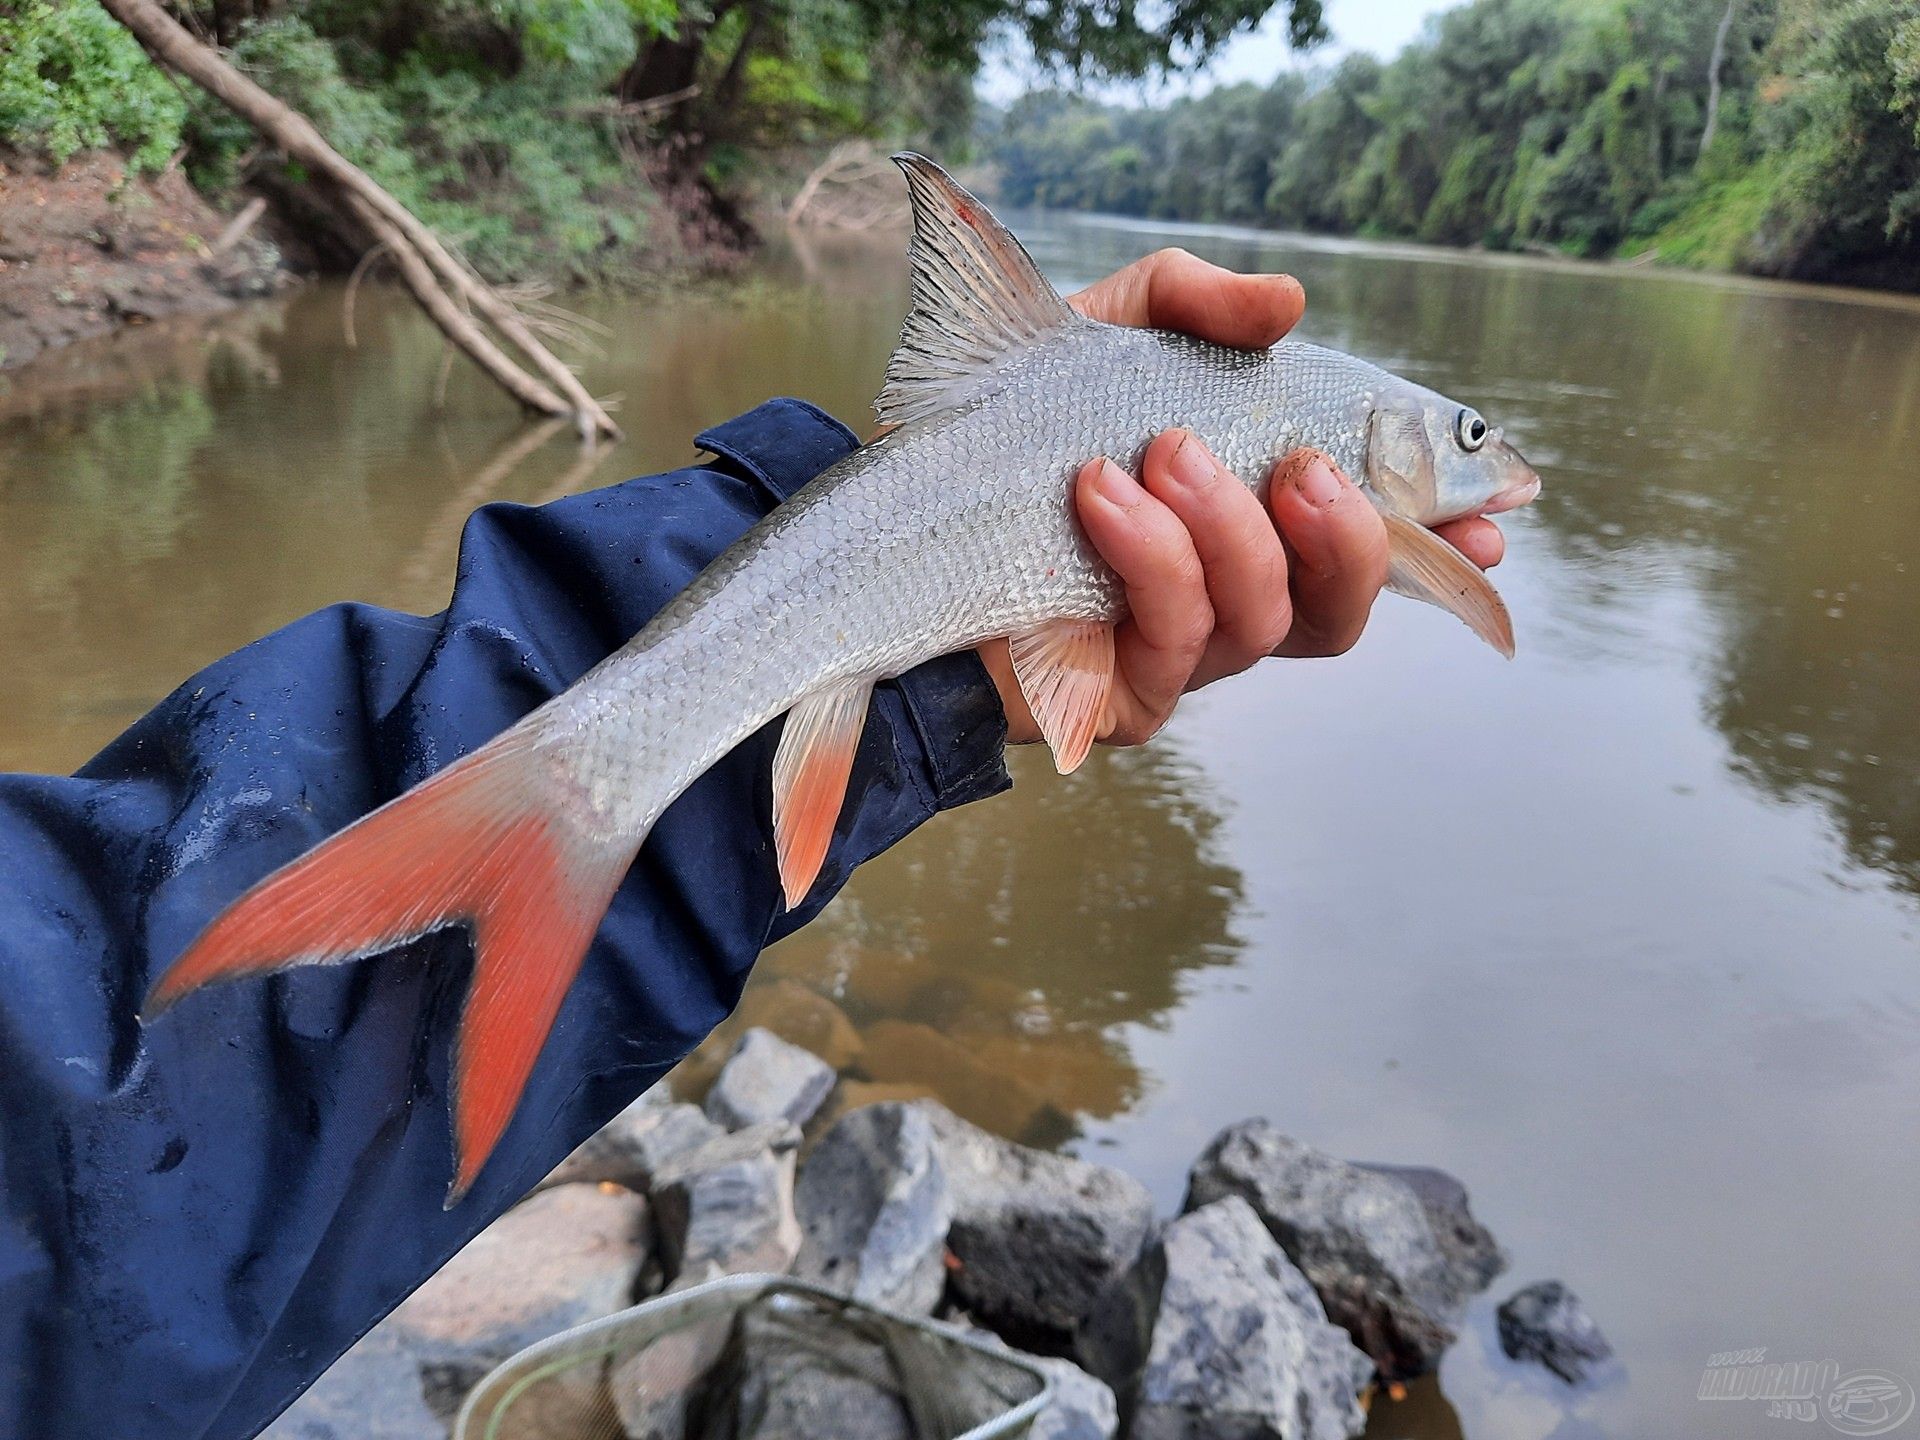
(199,1216)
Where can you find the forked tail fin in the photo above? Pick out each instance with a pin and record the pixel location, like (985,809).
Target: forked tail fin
(486,842)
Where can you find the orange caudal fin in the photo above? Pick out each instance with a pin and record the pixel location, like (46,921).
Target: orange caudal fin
(482,843)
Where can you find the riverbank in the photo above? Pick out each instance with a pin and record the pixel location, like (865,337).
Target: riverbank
(88,247)
(1290,1293)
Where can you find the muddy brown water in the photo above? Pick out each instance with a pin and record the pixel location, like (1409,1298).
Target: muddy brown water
(1622,933)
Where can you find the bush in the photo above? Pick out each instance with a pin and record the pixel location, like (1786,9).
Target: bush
(72,79)
(520,172)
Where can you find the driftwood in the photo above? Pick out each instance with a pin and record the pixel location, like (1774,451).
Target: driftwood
(238,227)
(854,188)
(454,297)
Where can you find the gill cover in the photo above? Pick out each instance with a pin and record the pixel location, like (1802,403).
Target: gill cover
(1403,481)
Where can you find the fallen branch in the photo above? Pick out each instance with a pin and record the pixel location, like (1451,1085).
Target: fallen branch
(374,254)
(441,283)
(238,226)
(854,188)
(456,324)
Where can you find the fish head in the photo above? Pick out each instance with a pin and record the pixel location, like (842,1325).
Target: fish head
(1431,459)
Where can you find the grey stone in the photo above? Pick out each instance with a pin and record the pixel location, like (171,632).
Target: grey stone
(768,1079)
(1546,1322)
(633,1146)
(560,1259)
(727,1207)
(1036,1236)
(771,1386)
(874,1209)
(370,1393)
(1468,1247)
(1362,1236)
(1082,1407)
(1215,1335)
(655,1389)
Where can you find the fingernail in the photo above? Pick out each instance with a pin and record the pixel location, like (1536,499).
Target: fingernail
(1317,483)
(1116,486)
(1191,466)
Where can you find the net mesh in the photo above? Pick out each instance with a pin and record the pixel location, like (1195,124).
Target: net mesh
(751,1357)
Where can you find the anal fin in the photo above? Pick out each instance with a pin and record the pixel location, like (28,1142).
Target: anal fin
(1424,567)
(810,772)
(1065,670)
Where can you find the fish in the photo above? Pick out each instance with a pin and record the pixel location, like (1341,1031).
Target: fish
(954,528)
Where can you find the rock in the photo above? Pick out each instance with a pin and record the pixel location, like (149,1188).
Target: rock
(1546,1322)
(631,1148)
(852,1095)
(766,1080)
(560,1259)
(1037,1236)
(899,1052)
(804,1017)
(874,1208)
(1363,1237)
(1082,1407)
(370,1393)
(655,1390)
(727,1207)
(1467,1247)
(1215,1335)
(774,1385)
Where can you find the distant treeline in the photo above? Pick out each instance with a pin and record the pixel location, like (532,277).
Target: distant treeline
(1776,136)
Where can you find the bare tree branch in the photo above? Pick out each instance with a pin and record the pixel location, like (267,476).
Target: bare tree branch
(445,287)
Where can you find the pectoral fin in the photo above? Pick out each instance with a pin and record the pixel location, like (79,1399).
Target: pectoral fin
(810,772)
(1065,671)
(1422,565)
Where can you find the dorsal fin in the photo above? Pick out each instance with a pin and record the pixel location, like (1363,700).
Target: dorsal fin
(977,295)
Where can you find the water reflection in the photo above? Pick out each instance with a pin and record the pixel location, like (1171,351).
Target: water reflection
(1000,951)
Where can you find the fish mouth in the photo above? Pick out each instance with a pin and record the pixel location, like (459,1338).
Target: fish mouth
(1514,496)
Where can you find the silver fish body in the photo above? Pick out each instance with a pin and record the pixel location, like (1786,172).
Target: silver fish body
(955,528)
(947,532)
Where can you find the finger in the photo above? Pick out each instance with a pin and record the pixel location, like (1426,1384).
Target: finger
(1157,647)
(1174,290)
(1480,540)
(1339,546)
(1241,557)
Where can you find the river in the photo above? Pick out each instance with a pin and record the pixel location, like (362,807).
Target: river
(1622,933)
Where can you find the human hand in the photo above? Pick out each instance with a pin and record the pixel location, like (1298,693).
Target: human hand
(1215,580)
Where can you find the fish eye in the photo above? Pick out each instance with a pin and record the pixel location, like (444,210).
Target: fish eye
(1470,430)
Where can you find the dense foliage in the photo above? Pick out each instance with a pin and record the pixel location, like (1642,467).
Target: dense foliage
(541,135)
(1781,136)
(71,79)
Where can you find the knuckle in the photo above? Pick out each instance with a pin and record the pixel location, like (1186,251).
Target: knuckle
(1272,632)
(1192,631)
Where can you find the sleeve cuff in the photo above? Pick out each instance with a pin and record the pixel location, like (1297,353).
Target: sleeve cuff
(962,727)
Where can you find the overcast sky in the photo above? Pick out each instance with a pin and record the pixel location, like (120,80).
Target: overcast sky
(1381,26)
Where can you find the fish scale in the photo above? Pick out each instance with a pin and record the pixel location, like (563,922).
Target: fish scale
(955,528)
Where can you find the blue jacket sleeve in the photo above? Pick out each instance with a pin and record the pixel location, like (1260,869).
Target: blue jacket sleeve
(199,1216)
